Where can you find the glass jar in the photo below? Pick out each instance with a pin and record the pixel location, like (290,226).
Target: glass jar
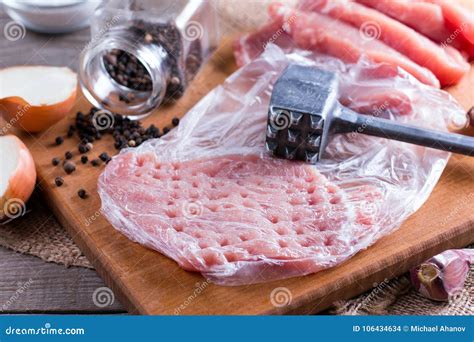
(145,52)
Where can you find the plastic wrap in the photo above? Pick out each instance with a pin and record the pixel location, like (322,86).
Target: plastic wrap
(210,197)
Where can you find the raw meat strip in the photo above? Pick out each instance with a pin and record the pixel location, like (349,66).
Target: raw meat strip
(446,63)
(229,216)
(317,32)
(426,18)
(458,17)
(252,45)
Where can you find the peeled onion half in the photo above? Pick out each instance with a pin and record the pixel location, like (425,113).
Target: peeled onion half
(17,177)
(34,98)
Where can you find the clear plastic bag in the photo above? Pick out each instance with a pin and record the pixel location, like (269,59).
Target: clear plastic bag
(210,197)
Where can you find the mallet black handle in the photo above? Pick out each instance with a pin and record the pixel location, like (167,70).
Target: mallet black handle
(348,121)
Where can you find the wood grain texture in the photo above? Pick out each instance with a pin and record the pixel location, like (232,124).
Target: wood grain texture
(149,283)
(29,285)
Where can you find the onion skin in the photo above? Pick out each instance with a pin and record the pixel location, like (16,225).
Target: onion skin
(22,182)
(19,113)
(443,276)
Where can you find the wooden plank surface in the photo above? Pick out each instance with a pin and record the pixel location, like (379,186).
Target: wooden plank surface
(30,285)
(150,283)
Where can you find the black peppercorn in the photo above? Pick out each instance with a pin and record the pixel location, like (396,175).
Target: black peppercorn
(95,162)
(104,156)
(166,130)
(59,140)
(125,132)
(55,161)
(82,193)
(59,181)
(175,121)
(82,148)
(69,167)
(68,155)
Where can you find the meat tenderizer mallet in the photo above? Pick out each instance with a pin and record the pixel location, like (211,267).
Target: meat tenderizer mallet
(304,112)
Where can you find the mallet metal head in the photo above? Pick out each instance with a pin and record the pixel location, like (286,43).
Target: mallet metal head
(302,104)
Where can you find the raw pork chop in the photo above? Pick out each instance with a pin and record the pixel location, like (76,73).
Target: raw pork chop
(426,18)
(237,217)
(445,62)
(313,31)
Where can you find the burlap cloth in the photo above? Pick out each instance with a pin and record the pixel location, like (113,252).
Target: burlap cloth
(38,233)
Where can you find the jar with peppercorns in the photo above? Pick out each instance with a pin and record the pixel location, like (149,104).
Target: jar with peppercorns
(144,53)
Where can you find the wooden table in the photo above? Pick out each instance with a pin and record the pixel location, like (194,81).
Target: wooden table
(55,288)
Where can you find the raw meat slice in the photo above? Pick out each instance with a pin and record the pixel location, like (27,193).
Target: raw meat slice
(317,32)
(372,100)
(426,18)
(445,62)
(197,192)
(253,44)
(225,215)
(458,17)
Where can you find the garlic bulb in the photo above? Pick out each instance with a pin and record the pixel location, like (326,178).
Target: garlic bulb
(443,276)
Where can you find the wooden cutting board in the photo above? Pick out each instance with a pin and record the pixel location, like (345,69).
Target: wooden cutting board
(150,283)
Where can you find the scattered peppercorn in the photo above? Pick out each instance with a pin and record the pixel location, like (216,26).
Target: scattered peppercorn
(82,148)
(55,161)
(68,155)
(166,130)
(126,132)
(59,181)
(69,167)
(104,156)
(82,193)
(95,162)
(84,159)
(59,140)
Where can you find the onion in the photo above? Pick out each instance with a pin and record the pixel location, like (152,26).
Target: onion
(17,177)
(34,98)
